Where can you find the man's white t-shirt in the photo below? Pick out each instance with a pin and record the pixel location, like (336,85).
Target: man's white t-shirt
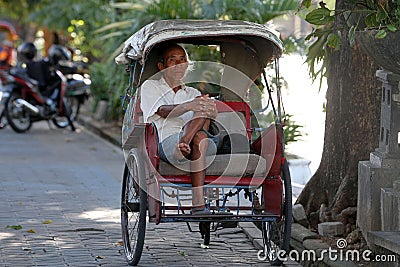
(157,93)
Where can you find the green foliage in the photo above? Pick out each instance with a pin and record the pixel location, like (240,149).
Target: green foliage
(100,85)
(320,16)
(15,227)
(133,15)
(291,130)
(98,27)
(383,16)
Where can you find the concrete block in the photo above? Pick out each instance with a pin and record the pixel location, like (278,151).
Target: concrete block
(390,209)
(396,185)
(297,245)
(315,244)
(387,240)
(299,214)
(300,233)
(101,110)
(371,178)
(331,229)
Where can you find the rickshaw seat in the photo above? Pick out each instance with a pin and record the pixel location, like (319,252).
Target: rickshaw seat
(233,165)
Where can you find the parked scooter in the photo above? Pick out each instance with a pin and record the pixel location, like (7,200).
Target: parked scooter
(78,80)
(5,90)
(38,92)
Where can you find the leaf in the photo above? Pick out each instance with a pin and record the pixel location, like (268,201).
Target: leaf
(352,35)
(381,15)
(381,34)
(319,16)
(305,3)
(47,222)
(15,227)
(181,253)
(391,27)
(121,243)
(370,20)
(100,257)
(31,231)
(333,41)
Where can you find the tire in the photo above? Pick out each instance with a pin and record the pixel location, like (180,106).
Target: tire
(17,116)
(133,208)
(276,235)
(205,232)
(75,104)
(64,120)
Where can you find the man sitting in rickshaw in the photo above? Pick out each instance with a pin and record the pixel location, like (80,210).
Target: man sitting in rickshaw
(182,117)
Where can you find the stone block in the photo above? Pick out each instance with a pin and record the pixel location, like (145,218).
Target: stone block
(390,209)
(300,233)
(315,244)
(299,215)
(101,110)
(297,245)
(387,240)
(371,178)
(331,229)
(396,185)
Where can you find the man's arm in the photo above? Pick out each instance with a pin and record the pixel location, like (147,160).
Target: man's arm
(203,104)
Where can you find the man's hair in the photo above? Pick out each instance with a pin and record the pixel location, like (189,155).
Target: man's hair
(165,47)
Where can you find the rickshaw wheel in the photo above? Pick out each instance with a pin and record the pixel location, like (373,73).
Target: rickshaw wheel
(276,235)
(205,232)
(133,208)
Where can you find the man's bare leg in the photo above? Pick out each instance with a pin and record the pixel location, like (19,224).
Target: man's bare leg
(197,167)
(183,149)
(196,140)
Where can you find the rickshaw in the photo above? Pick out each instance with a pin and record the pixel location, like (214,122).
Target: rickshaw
(248,180)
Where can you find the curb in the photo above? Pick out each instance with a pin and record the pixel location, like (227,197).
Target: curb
(98,128)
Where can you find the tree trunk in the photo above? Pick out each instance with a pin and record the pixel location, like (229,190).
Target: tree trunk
(351,131)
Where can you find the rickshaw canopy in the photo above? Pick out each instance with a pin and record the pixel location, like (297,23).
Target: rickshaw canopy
(245,46)
(264,40)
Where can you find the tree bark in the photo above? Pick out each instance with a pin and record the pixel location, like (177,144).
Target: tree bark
(351,129)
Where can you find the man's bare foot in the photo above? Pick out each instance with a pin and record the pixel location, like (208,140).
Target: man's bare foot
(182,151)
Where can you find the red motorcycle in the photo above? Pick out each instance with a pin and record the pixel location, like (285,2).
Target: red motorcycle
(27,104)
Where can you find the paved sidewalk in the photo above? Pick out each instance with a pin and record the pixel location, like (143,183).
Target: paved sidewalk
(63,190)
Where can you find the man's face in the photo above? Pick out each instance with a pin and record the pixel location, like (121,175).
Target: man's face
(175,63)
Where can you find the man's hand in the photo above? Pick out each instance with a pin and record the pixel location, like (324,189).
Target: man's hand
(203,106)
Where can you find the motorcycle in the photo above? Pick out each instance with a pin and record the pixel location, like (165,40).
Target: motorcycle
(78,85)
(8,36)
(26,104)
(5,90)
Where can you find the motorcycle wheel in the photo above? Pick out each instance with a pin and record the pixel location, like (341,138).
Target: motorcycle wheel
(75,103)
(17,116)
(62,120)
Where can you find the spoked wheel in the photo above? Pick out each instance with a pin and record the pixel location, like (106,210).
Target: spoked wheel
(17,115)
(63,119)
(133,208)
(205,232)
(276,235)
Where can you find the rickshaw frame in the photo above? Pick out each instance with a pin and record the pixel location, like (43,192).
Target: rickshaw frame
(144,179)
